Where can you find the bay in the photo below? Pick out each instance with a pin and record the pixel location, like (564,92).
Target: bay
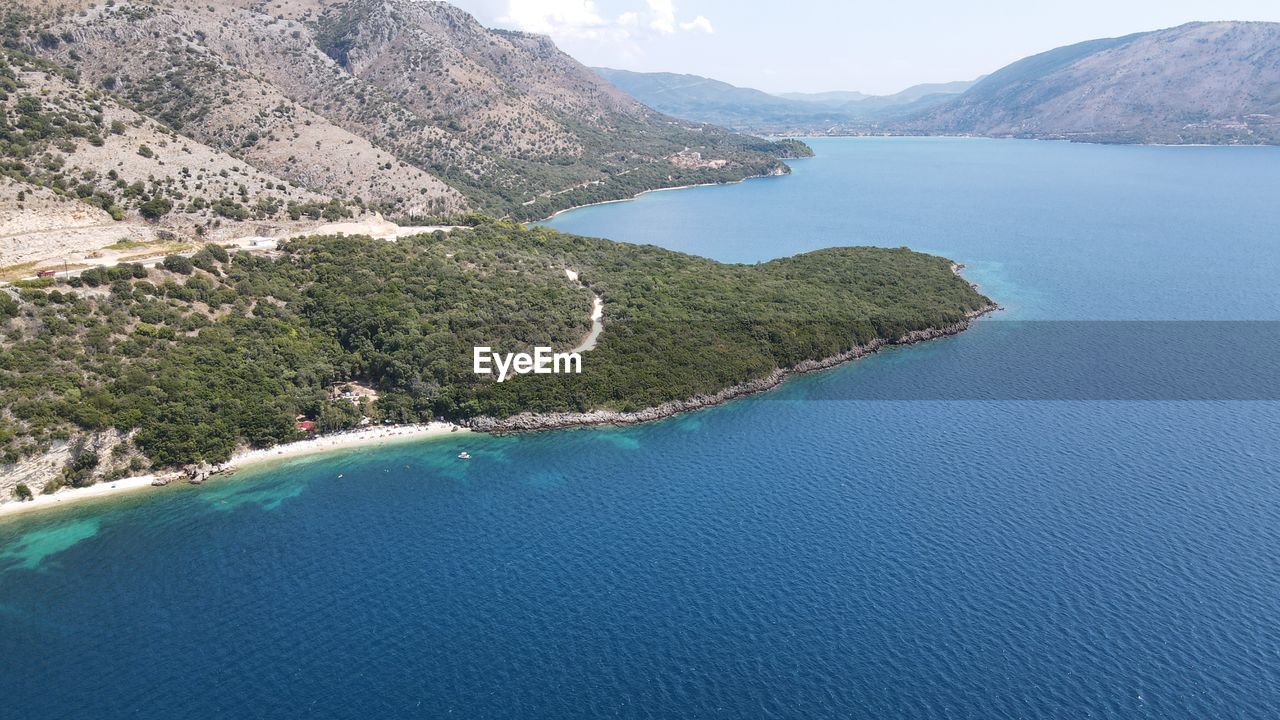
(1069,510)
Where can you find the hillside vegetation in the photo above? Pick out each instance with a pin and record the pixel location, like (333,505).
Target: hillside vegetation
(139,366)
(409,108)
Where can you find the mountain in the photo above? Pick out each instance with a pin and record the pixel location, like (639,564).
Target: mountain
(1197,83)
(195,117)
(81,171)
(1215,83)
(749,110)
(832,98)
(914,98)
(856,102)
(687,95)
(713,101)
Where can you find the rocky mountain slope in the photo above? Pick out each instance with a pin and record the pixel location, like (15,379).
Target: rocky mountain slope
(192,121)
(1196,83)
(81,170)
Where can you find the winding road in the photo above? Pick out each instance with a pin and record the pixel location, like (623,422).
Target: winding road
(597,314)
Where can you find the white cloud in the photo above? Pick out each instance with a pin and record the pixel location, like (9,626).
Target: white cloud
(583,19)
(554,17)
(662,14)
(698,23)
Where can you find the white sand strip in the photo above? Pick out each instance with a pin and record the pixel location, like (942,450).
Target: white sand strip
(325,443)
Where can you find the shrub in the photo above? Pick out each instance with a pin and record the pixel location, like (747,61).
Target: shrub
(155,208)
(204,261)
(178,264)
(94,276)
(230,209)
(79,472)
(217,252)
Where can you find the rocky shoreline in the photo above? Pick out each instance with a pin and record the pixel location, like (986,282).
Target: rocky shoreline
(530,422)
(525,422)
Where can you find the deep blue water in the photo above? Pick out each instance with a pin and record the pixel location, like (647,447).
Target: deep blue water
(933,532)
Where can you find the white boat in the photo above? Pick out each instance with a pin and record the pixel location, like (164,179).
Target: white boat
(464,455)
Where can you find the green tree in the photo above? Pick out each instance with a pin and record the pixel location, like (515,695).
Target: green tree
(155,208)
(178,264)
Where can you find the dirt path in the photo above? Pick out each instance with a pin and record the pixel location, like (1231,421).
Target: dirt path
(597,315)
(375,227)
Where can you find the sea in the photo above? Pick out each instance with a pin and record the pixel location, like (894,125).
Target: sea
(1071,510)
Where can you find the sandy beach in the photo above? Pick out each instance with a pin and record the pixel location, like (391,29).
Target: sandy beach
(340,441)
(373,436)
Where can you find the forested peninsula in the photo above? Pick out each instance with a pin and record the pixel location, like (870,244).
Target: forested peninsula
(184,362)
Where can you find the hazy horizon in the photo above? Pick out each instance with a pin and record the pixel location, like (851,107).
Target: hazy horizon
(832,46)
(781,93)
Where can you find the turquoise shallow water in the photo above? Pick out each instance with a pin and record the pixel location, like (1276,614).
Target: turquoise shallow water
(935,532)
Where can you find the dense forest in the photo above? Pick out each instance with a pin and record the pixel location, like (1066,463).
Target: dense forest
(197,356)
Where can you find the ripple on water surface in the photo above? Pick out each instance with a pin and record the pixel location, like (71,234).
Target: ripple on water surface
(876,541)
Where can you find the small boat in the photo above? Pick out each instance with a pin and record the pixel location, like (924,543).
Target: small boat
(464,455)
(339,476)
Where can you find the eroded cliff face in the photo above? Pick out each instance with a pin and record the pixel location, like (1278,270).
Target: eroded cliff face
(48,470)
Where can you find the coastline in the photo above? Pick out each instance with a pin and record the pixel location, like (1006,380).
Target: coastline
(642,193)
(342,441)
(318,445)
(532,422)
(974,136)
(524,422)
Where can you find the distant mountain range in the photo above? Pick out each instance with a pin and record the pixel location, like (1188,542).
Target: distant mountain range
(857,102)
(1216,83)
(750,110)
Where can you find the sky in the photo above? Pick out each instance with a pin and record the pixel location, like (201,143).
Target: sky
(874,46)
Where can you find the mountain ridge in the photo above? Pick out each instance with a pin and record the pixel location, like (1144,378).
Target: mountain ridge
(1197,83)
(750,110)
(410,109)
(1201,82)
